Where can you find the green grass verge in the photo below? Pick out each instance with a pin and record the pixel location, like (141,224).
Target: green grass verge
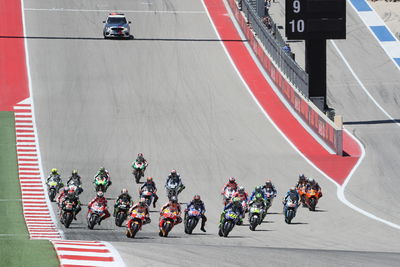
(15,247)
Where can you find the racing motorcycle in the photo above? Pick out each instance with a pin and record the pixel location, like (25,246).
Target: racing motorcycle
(167,221)
(74,186)
(137,219)
(229,221)
(192,219)
(173,189)
(311,199)
(96,212)
(138,170)
(123,208)
(101,183)
(52,188)
(290,210)
(228,194)
(256,215)
(147,194)
(67,213)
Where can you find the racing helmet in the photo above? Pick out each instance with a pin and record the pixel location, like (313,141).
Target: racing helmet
(173,172)
(102,169)
(311,180)
(268,182)
(235,200)
(258,188)
(54,171)
(292,189)
(65,189)
(140,155)
(196,198)
(75,172)
(259,196)
(174,199)
(232,179)
(142,202)
(241,189)
(100,194)
(124,191)
(149,179)
(302,177)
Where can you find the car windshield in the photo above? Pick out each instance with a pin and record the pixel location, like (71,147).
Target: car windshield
(116,20)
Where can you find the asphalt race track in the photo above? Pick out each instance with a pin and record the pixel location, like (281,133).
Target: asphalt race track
(173,94)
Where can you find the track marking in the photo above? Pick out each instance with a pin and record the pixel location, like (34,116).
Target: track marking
(109,11)
(362,85)
(340,189)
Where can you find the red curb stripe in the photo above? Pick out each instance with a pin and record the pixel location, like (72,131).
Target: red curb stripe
(23,111)
(24,126)
(29,173)
(27,164)
(87,243)
(28,169)
(22,116)
(83,249)
(23,121)
(25,141)
(86,258)
(24,131)
(27,155)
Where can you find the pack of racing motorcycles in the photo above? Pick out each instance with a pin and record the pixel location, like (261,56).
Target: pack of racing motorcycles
(235,199)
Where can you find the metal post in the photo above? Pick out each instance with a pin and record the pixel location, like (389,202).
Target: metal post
(316,69)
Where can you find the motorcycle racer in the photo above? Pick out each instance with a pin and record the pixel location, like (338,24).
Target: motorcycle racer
(173,206)
(198,204)
(63,192)
(141,207)
(175,178)
(149,182)
(103,173)
(312,184)
(292,194)
(101,200)
(231,184)
(269,186)
(123,197)
(55,176)
(140,159)
(236,206)
(302,181)
(257,190)
(74,199)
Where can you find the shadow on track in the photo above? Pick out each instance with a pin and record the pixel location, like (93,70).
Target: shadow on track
(135,39)
(371,122)
(296,223)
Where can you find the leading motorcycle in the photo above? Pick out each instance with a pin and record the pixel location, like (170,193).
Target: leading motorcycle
(67,213)
(229,221)
(135,223)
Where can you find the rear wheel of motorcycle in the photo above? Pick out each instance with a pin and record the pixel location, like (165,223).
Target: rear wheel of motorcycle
(134,229)
(52,194)
(119,219)
(167,228)
(313,203)
(190,226)
(228,226)
(137,176)
(253,223)
(92,221)
(67,219)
